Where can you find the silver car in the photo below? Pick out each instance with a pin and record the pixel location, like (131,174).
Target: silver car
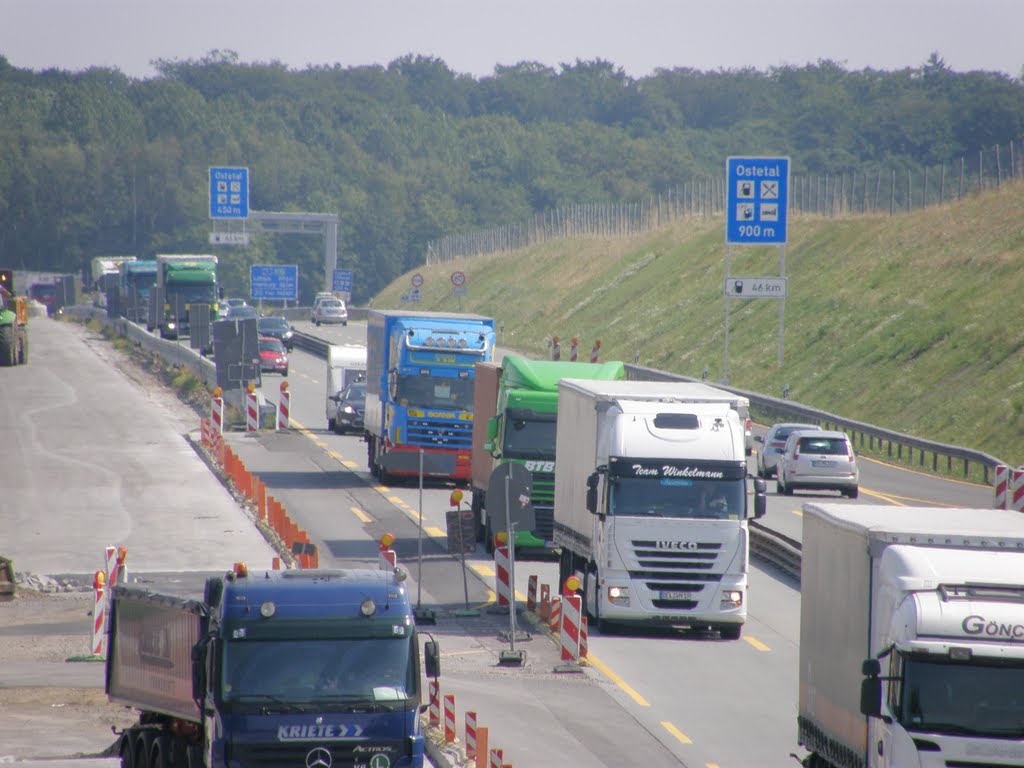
(819,460)
(330,311)
(773,443)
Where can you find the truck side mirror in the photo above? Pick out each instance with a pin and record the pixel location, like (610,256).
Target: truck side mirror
(592,493)
(432,658)
(871,692)
(760,497)
(492,427)
(199,670)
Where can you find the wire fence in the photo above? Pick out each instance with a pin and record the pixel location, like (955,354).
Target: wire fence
(871,191)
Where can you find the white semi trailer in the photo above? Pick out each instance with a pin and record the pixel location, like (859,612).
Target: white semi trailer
(651,503)
(911,637)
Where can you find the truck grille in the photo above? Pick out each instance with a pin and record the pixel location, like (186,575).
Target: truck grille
(442,434)
(292,754)
(543,500)
(675,570)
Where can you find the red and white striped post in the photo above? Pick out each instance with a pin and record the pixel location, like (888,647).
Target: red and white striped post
(583,635)
(531,593)
(217,410)
(1016,501)
(574,349)
(434,710)
(545,602)
(595,351)
(252,409)
(502,568)
(1002,476)
(99,614)
(556,348)
(555,616)
(497,758)
(569,635)
(471,735)
(283,408)
(449,718)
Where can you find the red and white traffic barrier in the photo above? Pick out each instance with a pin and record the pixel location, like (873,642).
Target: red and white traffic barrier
(283,408)
(545,602)
(574,349)
(555,614)
(99,614)
(471,735)
(117,571)
(1002,477)
(569,636)
(497,759)
(387,559)
(434,695)
(502,569)
(531,593)
(1016,502)
(583,636)
(449,717)
(217,410)
(252,410)
(595,351)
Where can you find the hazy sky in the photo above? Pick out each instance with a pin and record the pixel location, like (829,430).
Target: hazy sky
(472,36)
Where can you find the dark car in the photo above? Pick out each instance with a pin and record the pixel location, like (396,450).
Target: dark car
(277,328)
(351,408)
(273,356)
(241,313)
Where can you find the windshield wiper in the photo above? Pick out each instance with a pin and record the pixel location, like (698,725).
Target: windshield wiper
(279,704)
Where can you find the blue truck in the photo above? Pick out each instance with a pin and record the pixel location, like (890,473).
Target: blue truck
(136,280)
(275,669)
(420,368)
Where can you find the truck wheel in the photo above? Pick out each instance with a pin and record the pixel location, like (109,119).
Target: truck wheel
(730,631)
(779,488)
(7,345)
(331,425)
(127,748)
(23,358)
(161,756)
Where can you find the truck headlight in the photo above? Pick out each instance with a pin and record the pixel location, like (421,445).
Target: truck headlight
(618,595)
(732,598)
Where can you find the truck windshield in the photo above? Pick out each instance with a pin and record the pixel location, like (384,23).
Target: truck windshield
(433,392)
(677,497)
(365,670)
(978,699)
(193,294)
(529,438)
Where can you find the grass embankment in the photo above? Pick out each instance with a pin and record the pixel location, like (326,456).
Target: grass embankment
(912,323)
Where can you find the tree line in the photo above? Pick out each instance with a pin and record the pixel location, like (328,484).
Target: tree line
(97,163)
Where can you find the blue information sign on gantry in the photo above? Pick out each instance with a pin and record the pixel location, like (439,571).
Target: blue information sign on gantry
(342,282)
(229,193)
(274,281)
(757,200)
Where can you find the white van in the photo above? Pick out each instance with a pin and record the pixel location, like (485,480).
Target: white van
(346,363)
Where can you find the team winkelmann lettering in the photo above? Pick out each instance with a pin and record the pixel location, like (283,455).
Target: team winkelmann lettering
(668,470)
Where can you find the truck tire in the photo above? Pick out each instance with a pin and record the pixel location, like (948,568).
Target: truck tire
(730,631)
(8,346)
(331,425)
(24,347)
(160,756)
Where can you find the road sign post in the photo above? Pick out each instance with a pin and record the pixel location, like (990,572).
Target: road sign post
(757,213)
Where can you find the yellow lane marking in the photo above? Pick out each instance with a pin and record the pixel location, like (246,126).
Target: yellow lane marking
(436,533)
(756,643)
(363,517)
(398,501)
(682,737)
(919,472)
(350,464)
(626,688)
(883,497)
(483,570)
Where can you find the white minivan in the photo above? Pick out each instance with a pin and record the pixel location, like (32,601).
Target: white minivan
(818,459)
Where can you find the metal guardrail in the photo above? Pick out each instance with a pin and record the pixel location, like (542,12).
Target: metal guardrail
(895,444)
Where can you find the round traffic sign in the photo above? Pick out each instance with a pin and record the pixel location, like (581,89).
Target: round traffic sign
(417,280)
(458,278)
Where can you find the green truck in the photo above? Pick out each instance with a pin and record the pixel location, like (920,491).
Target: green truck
(13,322)
(514,413)
(181,281)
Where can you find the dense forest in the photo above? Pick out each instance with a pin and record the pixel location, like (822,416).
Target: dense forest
(97,163)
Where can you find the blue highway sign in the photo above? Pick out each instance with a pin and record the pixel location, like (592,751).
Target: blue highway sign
(280,282)
(229,193)
(342,281)
(757,200)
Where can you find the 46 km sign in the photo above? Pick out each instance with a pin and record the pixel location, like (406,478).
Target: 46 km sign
(755,287)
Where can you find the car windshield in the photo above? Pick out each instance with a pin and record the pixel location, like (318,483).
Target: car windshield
(331,304)
(356,393)
(273,324)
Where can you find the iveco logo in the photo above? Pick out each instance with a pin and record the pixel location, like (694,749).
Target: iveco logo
(676,544)
(318,758)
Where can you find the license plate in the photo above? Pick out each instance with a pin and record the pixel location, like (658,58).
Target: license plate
(822,463)
(672,595)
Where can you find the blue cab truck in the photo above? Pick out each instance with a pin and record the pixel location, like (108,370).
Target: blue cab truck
(420,371)
(136,280)
(275,669)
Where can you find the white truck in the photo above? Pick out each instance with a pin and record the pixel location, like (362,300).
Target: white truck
(651,503)
(911,637)
(345,363)
(106,275)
